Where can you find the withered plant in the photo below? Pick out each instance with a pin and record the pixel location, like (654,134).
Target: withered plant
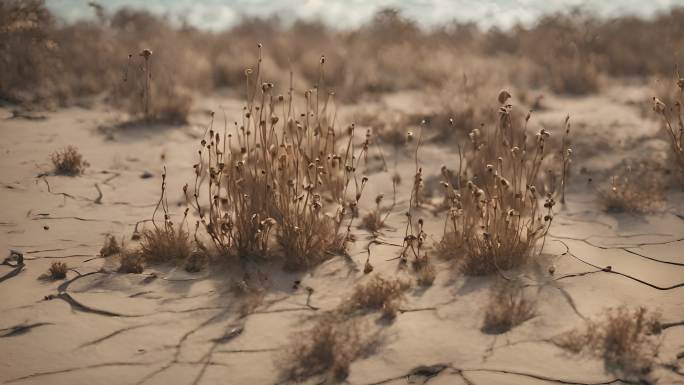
(625,338)
(329,346)
(167,242)
(148,99)
(377,294)
(507,308)
(279,182)
(68,161)
(634,190)
(497,218)
(675,131)
(57,270)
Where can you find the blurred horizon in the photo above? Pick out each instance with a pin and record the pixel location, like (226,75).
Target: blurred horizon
(217,15)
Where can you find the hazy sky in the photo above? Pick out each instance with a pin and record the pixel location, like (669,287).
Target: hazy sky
(220,14)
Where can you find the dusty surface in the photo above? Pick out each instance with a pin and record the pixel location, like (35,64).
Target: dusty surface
(169,326)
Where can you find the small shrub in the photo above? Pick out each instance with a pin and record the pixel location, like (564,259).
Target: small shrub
(110,247)
(506,309)
(634,190)
(331,345)
(131,262)
(57,270)
(497,218)
(675,134)
(377,294)
(623,337)
(280,184)
(68,161)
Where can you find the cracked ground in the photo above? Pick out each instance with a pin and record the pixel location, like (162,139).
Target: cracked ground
(165,325)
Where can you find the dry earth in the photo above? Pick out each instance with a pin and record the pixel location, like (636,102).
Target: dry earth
(169,326)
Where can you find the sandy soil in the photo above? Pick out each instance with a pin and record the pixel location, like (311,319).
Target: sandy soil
(169,326)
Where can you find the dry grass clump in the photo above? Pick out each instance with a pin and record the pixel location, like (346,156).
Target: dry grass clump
(131,262)
(278,182)
(110,247)
(330,346)
(496,220)
(623,337)
(377,294)
(57,270)
(507,308)
(675,133)
(168,242)
(68,161)
(165,244)
(635,190)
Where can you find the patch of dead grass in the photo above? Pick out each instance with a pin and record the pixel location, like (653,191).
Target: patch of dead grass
(68,161)
(507,308)
(624,337)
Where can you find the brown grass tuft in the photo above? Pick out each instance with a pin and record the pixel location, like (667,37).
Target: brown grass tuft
(68,161)
(165,244)
(377,294)
(57,270)
(670,113)
(623,337)
(329,346)
(507,308)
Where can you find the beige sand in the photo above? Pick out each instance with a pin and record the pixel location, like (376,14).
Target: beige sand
(181,328)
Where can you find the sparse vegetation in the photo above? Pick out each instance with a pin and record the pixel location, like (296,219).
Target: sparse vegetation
(68,161)
(635,190)
(168,242)
(329,346)
(675,133)
(279,177)
(496,219)
(507,308)
(377,294)
(624,337)
(57,270)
